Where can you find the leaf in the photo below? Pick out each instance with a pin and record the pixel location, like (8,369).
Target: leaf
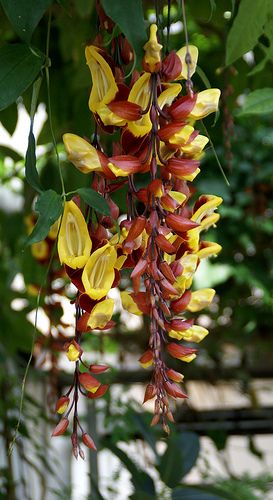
(247,27)
(32,175)
(19,66)
(128,15)
(179,457)
(142,482)
(184,493)
(6,151)
(9,117)
(49,205)
(258,102)
(94,200)
(24,15)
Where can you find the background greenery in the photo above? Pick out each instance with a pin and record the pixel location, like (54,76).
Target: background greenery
(242,136)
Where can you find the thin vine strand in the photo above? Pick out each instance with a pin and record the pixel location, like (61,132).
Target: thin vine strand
(49,104)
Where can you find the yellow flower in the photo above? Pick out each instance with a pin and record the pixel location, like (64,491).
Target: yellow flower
(104,87)
(40,250)
(152,58)
(74,243)
(195,334)
(73,352)
(140,94)
(182,56)
(196,146)
(82,154)
(98,274)
(101,314)
(207,102)
(170,92)
(129,304)
(200,299)
(208,249)
(181,137)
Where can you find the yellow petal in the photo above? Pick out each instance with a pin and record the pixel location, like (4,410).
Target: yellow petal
(129,304)
(189,358)
(182,56)
(82,154)
(207,208)
(104,87)
(98,274)
(117,171)
(140,94)
(170,92)
(196,146)
(209,250)
(120,261)
(101,314)
(200,299)
(40,250)
(182,136)
(152,50)
(74,243)
(207,102)
(177,196)
(195,334)
(73,353)
(108,117)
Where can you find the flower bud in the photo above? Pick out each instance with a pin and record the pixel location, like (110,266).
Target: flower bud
(61,427)
(88,441)
(62,404)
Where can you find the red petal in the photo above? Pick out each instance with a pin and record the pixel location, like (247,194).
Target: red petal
(181,108)
(180,304)
(179,223)
(125,109)
(171,67)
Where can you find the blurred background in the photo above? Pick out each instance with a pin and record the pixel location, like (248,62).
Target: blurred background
(222,444)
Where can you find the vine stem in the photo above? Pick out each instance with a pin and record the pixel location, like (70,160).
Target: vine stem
(23,386)
(49,103)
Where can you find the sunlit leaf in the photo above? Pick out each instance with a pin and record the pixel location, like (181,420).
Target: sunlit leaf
(258,102)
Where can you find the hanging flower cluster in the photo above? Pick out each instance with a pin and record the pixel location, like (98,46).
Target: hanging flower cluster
(157,157)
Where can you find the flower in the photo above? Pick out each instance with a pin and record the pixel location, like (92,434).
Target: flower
(101,314)
(152,58)
(83,155)
(99,273)
(74,243)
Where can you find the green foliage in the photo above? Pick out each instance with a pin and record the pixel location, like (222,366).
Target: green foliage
(258,102)
(248,26)
(128,14)
(180,456)
(25,15)
(19,66)
(94,200)
(49,205)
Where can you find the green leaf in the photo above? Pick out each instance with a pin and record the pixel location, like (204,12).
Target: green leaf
(94,200)
(247,27)
(185,493)
(258,102)
(32,175)
(142,482)
(128,15)
(9,117)
(19,66)
(49,205)
(24,15)
(179,457)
